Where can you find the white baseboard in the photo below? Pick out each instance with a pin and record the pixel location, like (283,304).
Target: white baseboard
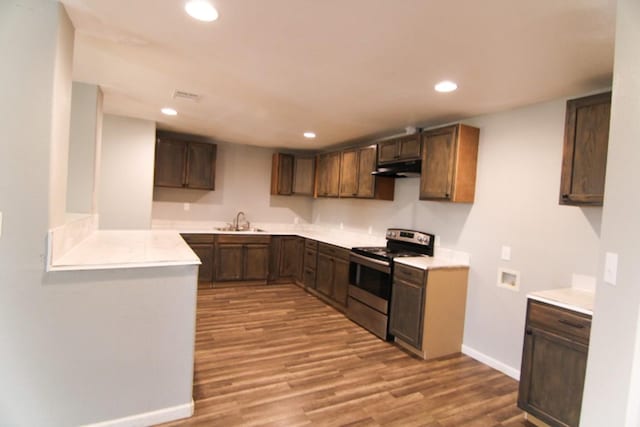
(490,361)
(150,418)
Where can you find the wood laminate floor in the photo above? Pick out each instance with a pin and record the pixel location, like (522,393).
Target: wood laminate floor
(277,356)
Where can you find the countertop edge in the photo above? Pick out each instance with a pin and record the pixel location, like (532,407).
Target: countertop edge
(561,304)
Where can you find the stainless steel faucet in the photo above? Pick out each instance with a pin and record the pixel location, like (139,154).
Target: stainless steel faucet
(237,224)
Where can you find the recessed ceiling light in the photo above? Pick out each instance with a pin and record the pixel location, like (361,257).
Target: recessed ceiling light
(445,86)
(309,135)
(201,10)
(169,111)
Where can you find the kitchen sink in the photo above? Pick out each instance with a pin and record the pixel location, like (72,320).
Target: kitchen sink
(232,229)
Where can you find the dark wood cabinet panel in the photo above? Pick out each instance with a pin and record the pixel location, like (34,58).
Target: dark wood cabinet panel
(282,174)
(324,275)
(229,262)
(584,156)
(205,253)
(303,175)
(554,362)
(310,262)
(399,149)
(201,171)
(170,160)
(366,165)
(256,262)
(349,173)
(449,162)
(290,256)
(340,280)
(182,163)
(328,174)
(407,311)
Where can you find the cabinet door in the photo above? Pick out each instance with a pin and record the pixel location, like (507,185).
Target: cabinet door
(229,262)
(205,253)
(303,173)
(333,174)
(321,175)
(585,150)
(170,160)
(409,147)
(340,280)
(309,278)
(438,153)
(201,166)
(290,257)
(282,174)
(366,165)
(256,262)
(274,258)
(349,173)
(407,312)
(388,151)
(552,377)
(324,275)
(300,260)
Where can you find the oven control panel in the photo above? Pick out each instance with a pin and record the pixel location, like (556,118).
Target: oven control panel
(410,236)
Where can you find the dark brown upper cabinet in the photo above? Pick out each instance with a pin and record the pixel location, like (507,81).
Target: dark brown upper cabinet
(282,174)
(181,163)
(303,175)
(449,158)
(328,174)
(584,156)
(356,179)
(399,149)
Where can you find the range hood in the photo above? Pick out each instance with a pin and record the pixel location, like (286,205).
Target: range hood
(406,169)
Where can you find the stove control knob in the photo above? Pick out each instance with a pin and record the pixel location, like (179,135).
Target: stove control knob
(422,239)
(391,234)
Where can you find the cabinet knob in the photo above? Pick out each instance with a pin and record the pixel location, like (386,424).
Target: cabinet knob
(528,332)
(446,195)
(565,196)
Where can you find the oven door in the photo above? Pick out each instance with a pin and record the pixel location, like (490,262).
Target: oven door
(369,276)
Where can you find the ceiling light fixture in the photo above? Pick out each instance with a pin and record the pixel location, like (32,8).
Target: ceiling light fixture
(446,86)
(201,10)
(309,135)
(169,111)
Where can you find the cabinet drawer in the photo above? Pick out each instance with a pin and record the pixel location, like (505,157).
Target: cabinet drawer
(408,274)
(239,239)
(310,258)
(559,321)
(198,238)
(311,244)
(333,251)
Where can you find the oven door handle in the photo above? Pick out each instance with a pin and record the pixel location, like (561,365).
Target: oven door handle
(370,262)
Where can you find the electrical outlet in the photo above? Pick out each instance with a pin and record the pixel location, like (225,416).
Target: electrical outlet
(506,253)
(610,268)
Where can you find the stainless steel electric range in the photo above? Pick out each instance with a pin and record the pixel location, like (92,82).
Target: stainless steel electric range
(371,277)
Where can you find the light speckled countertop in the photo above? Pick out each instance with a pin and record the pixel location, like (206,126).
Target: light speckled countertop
(111,249)
(430,263)
(569,298)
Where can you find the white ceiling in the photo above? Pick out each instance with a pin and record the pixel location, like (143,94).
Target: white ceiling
(267,70)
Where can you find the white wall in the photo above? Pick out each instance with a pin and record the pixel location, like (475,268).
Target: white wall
(612,389)
(86,108)
(243,179)
(126,173)
(516,204)
(77,347)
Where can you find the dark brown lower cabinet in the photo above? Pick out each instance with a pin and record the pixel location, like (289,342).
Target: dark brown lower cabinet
(554,361)
(332,274)
(241,258)
(202,245)
(407,310)
(286,259)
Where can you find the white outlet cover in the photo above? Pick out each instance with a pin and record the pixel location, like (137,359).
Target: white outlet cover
(610,268)
(506,253)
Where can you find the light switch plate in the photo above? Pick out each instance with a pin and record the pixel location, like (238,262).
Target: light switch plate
(610,268)
(506,253)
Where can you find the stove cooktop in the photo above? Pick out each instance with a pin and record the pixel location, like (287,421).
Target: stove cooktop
(384,253)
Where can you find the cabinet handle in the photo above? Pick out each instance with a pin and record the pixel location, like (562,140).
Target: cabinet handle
(528,332)
(569,323)
(446,195)
(565,196)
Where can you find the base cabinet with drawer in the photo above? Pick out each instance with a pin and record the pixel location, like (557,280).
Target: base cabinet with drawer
(554,361)
(202,245)
(310,262)
(427,309)
(286,259)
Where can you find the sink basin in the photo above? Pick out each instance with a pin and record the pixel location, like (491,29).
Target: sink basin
(240,230)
